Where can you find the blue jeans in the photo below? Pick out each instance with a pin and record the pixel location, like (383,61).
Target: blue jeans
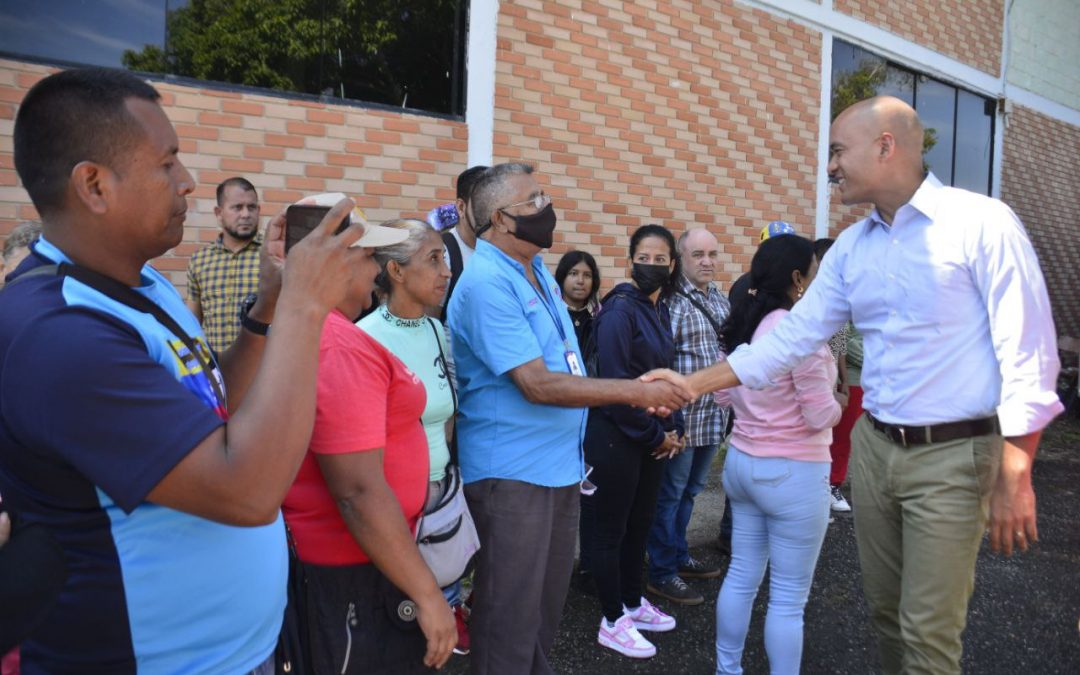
(683,480)
(781,511)
(452,593)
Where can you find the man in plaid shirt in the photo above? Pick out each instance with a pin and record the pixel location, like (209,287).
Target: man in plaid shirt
(226,272)
(698,309)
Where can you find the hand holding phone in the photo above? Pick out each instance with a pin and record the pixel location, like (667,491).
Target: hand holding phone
(302,219)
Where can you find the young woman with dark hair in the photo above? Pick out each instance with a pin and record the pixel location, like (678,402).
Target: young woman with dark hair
(627,447)
(777,468)
(579,279)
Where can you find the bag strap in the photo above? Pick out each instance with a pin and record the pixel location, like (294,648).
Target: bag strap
(701,308)
(452,443)
(442,362)
(129,297)
(457,265)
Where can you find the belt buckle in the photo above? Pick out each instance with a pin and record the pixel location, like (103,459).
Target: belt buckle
(903,436)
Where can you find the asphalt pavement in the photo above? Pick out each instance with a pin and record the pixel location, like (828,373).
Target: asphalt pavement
(1024,616)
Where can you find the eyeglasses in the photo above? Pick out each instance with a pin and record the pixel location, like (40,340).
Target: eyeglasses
(539,201)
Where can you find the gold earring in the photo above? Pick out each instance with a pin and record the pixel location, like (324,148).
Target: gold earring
(799,294)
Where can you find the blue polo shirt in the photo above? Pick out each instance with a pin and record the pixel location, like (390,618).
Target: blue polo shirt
(98,402)
(499,321)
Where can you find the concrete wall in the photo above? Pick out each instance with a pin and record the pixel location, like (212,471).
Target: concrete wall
(1044,49)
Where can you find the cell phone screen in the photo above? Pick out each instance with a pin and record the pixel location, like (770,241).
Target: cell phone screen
(301,219)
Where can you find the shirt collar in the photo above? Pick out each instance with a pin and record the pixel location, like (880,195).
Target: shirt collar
(500,257)
(686,287)
(45,248)
(254,241)
(924,201)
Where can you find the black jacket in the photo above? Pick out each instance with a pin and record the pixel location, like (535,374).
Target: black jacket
(633,336)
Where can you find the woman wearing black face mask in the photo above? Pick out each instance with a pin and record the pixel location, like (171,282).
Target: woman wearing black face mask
(627,447)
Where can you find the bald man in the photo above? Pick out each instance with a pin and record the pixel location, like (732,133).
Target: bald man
(948,294)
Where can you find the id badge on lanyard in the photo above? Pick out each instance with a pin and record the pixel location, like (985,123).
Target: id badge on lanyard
(573,363)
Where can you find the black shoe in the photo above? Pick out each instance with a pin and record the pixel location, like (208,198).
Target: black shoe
(695,569)
(723,544)
(675,590)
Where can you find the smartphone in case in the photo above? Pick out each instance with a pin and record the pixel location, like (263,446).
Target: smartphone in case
(301,219)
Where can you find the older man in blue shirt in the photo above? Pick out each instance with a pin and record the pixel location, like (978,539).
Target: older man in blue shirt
(523,409)
(947,292)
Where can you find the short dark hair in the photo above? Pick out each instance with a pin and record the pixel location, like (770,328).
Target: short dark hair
(70,117)
(467,180)
(653,230)
(238,181)
(567,262)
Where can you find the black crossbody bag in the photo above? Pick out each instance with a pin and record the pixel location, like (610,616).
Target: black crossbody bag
(716,327)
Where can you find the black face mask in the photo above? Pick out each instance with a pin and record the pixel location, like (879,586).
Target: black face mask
(649,277)
(537,228)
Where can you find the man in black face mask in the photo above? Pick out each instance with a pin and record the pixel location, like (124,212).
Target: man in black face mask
(523,403)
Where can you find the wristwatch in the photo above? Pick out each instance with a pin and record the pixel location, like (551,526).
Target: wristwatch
(257,327)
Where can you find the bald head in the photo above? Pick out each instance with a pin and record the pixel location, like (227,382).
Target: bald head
(888,115)
(875,152)
(699,252)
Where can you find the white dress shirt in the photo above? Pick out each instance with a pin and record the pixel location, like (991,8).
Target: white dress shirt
(953,309)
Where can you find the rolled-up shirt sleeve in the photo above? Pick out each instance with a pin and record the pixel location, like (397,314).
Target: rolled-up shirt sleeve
(810,324)
(1021,325)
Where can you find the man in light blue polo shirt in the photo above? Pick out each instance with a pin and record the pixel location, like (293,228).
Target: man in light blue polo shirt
(523,405)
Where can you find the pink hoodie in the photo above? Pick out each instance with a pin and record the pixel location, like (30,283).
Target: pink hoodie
(794,417)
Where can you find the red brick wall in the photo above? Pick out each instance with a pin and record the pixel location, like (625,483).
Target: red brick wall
(969,31)
(684,113)
(1039,181)
(393,164)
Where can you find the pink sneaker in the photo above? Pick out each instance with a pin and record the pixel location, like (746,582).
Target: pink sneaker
(648,617)
(625,639)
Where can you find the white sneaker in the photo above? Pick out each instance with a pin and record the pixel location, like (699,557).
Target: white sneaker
(624,638)
(839,504)
(648,617)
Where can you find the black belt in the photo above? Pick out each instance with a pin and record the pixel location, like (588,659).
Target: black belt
(936,433)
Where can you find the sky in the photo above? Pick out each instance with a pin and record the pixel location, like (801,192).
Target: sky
(92,32)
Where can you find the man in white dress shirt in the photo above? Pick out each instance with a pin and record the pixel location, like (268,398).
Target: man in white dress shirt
(947,291)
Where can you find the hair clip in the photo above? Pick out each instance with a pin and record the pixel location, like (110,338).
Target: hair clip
(753,292)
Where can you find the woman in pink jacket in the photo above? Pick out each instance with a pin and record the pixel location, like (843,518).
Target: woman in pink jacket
(777,467)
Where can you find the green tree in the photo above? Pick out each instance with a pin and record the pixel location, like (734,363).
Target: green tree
(378,50)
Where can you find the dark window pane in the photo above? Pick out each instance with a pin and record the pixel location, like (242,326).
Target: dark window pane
(399,53)
(847,58)
(936,105)
(974,142)
(91,32)
(900,83)
(404,53)
(857,74)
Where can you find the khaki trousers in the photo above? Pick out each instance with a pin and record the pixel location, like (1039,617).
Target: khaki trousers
(920,514)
